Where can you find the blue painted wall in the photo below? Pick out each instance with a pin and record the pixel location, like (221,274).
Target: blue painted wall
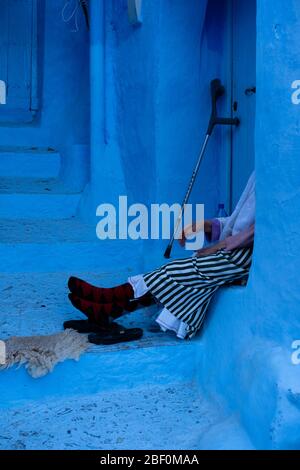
(63,75)
(156,106)
(245,351)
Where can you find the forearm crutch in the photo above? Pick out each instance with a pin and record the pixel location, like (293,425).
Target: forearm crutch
(217,90)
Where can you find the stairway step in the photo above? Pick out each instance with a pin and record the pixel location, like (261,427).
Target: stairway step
(28,245)
(32,162)
(153,417)
(36,198)
(143,394)
(38,186)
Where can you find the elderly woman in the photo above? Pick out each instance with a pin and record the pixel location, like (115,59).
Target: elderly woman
(183,287)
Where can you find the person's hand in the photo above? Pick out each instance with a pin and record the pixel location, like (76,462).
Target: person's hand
(194,228)
(211,250)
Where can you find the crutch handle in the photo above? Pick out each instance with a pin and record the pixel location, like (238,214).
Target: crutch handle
(214,121)
(227,121)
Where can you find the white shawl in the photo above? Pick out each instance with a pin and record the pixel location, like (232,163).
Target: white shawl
(243,215)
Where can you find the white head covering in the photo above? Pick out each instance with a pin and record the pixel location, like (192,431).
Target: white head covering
(243,215)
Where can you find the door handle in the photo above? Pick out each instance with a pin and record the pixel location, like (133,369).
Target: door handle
(250,91)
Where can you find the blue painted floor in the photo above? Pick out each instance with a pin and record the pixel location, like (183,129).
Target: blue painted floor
(138,395)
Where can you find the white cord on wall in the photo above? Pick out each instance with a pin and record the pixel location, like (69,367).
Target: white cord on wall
(73,13)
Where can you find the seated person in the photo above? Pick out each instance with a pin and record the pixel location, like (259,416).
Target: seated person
(183,287)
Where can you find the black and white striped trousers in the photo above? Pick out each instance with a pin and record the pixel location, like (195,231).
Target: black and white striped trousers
(186,286)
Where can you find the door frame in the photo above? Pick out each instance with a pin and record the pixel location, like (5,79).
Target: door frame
(230,75)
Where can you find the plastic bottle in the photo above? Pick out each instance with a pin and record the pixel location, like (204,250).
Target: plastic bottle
(221,211)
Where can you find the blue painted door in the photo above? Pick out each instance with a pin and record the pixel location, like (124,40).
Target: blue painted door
(18,45)
(244,97)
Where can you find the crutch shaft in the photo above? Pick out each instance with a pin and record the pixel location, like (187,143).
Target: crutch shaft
(187,196)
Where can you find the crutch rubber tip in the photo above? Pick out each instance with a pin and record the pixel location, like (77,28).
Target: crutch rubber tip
(168,252)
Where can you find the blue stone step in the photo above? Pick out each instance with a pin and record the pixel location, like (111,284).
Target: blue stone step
(28,245)
(169,417)
(32,162)
(36,198)
(144,394)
